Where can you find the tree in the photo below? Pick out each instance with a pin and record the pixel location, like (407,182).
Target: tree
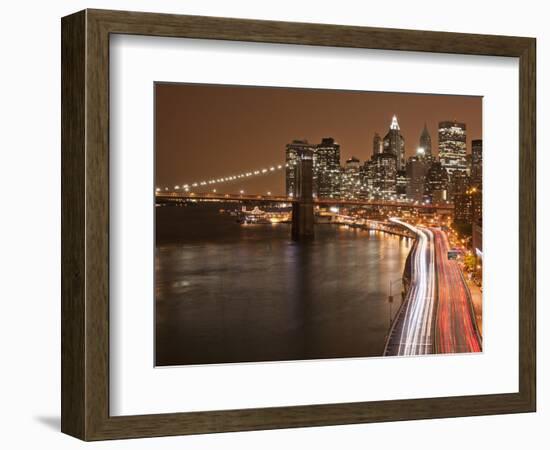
(470,262)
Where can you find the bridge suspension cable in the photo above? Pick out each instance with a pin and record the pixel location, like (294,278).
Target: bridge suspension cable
(227,179)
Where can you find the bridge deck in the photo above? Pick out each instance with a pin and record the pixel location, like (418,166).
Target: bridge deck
(184,196)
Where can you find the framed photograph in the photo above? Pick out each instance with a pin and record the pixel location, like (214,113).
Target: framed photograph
(270,224)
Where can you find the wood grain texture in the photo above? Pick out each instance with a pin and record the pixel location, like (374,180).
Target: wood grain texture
(527,224)
(85,224)
(73,110)
(97,226)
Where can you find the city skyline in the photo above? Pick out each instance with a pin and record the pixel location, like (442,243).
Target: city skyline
(364,209)
(253,125)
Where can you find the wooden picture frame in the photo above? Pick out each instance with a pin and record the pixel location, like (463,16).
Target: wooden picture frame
(85,224)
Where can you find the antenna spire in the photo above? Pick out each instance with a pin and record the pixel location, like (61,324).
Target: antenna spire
(394,124)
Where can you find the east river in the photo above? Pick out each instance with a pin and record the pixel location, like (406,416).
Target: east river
(226,292)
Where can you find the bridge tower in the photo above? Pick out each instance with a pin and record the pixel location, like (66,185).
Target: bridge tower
(302,209)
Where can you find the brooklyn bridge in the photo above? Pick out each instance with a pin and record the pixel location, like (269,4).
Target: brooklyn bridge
(303,202)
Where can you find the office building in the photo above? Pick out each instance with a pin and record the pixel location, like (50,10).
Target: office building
(327,169)
(416,174)
(377,146)
(452,146)
(385,176)
(477,162)
(437,183)
(293,150)
(468,206)
(351,182)
(394,144)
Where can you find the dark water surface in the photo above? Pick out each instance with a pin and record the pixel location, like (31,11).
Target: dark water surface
(238,293)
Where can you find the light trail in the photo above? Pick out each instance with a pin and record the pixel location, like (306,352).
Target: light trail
(415,334)
(456,331)
(437,315)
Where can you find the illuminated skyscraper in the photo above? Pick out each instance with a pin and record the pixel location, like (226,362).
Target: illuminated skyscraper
(468,206)
(417,167)
(437,183)
(459,183)
(351,182)
(452,146)
(327,168)
(366,174)
(401,184)
(394,143)
(292,151)
(385,176)
(477,162)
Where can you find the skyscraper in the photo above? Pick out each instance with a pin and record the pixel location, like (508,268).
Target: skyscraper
(417,167)
(401,184)
(394,143)
(376,144)
(452,146)
(351,182)
(469,164)
(366,174)
(327,168)
(437,181)
(385,176)
(477,162)
(459,183)
(292,151)
(426,142)
(468,206)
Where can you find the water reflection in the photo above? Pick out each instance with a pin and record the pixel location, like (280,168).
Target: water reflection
(232,293)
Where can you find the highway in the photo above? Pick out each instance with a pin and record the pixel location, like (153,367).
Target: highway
(455,330)
(414,333)
(436,316)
